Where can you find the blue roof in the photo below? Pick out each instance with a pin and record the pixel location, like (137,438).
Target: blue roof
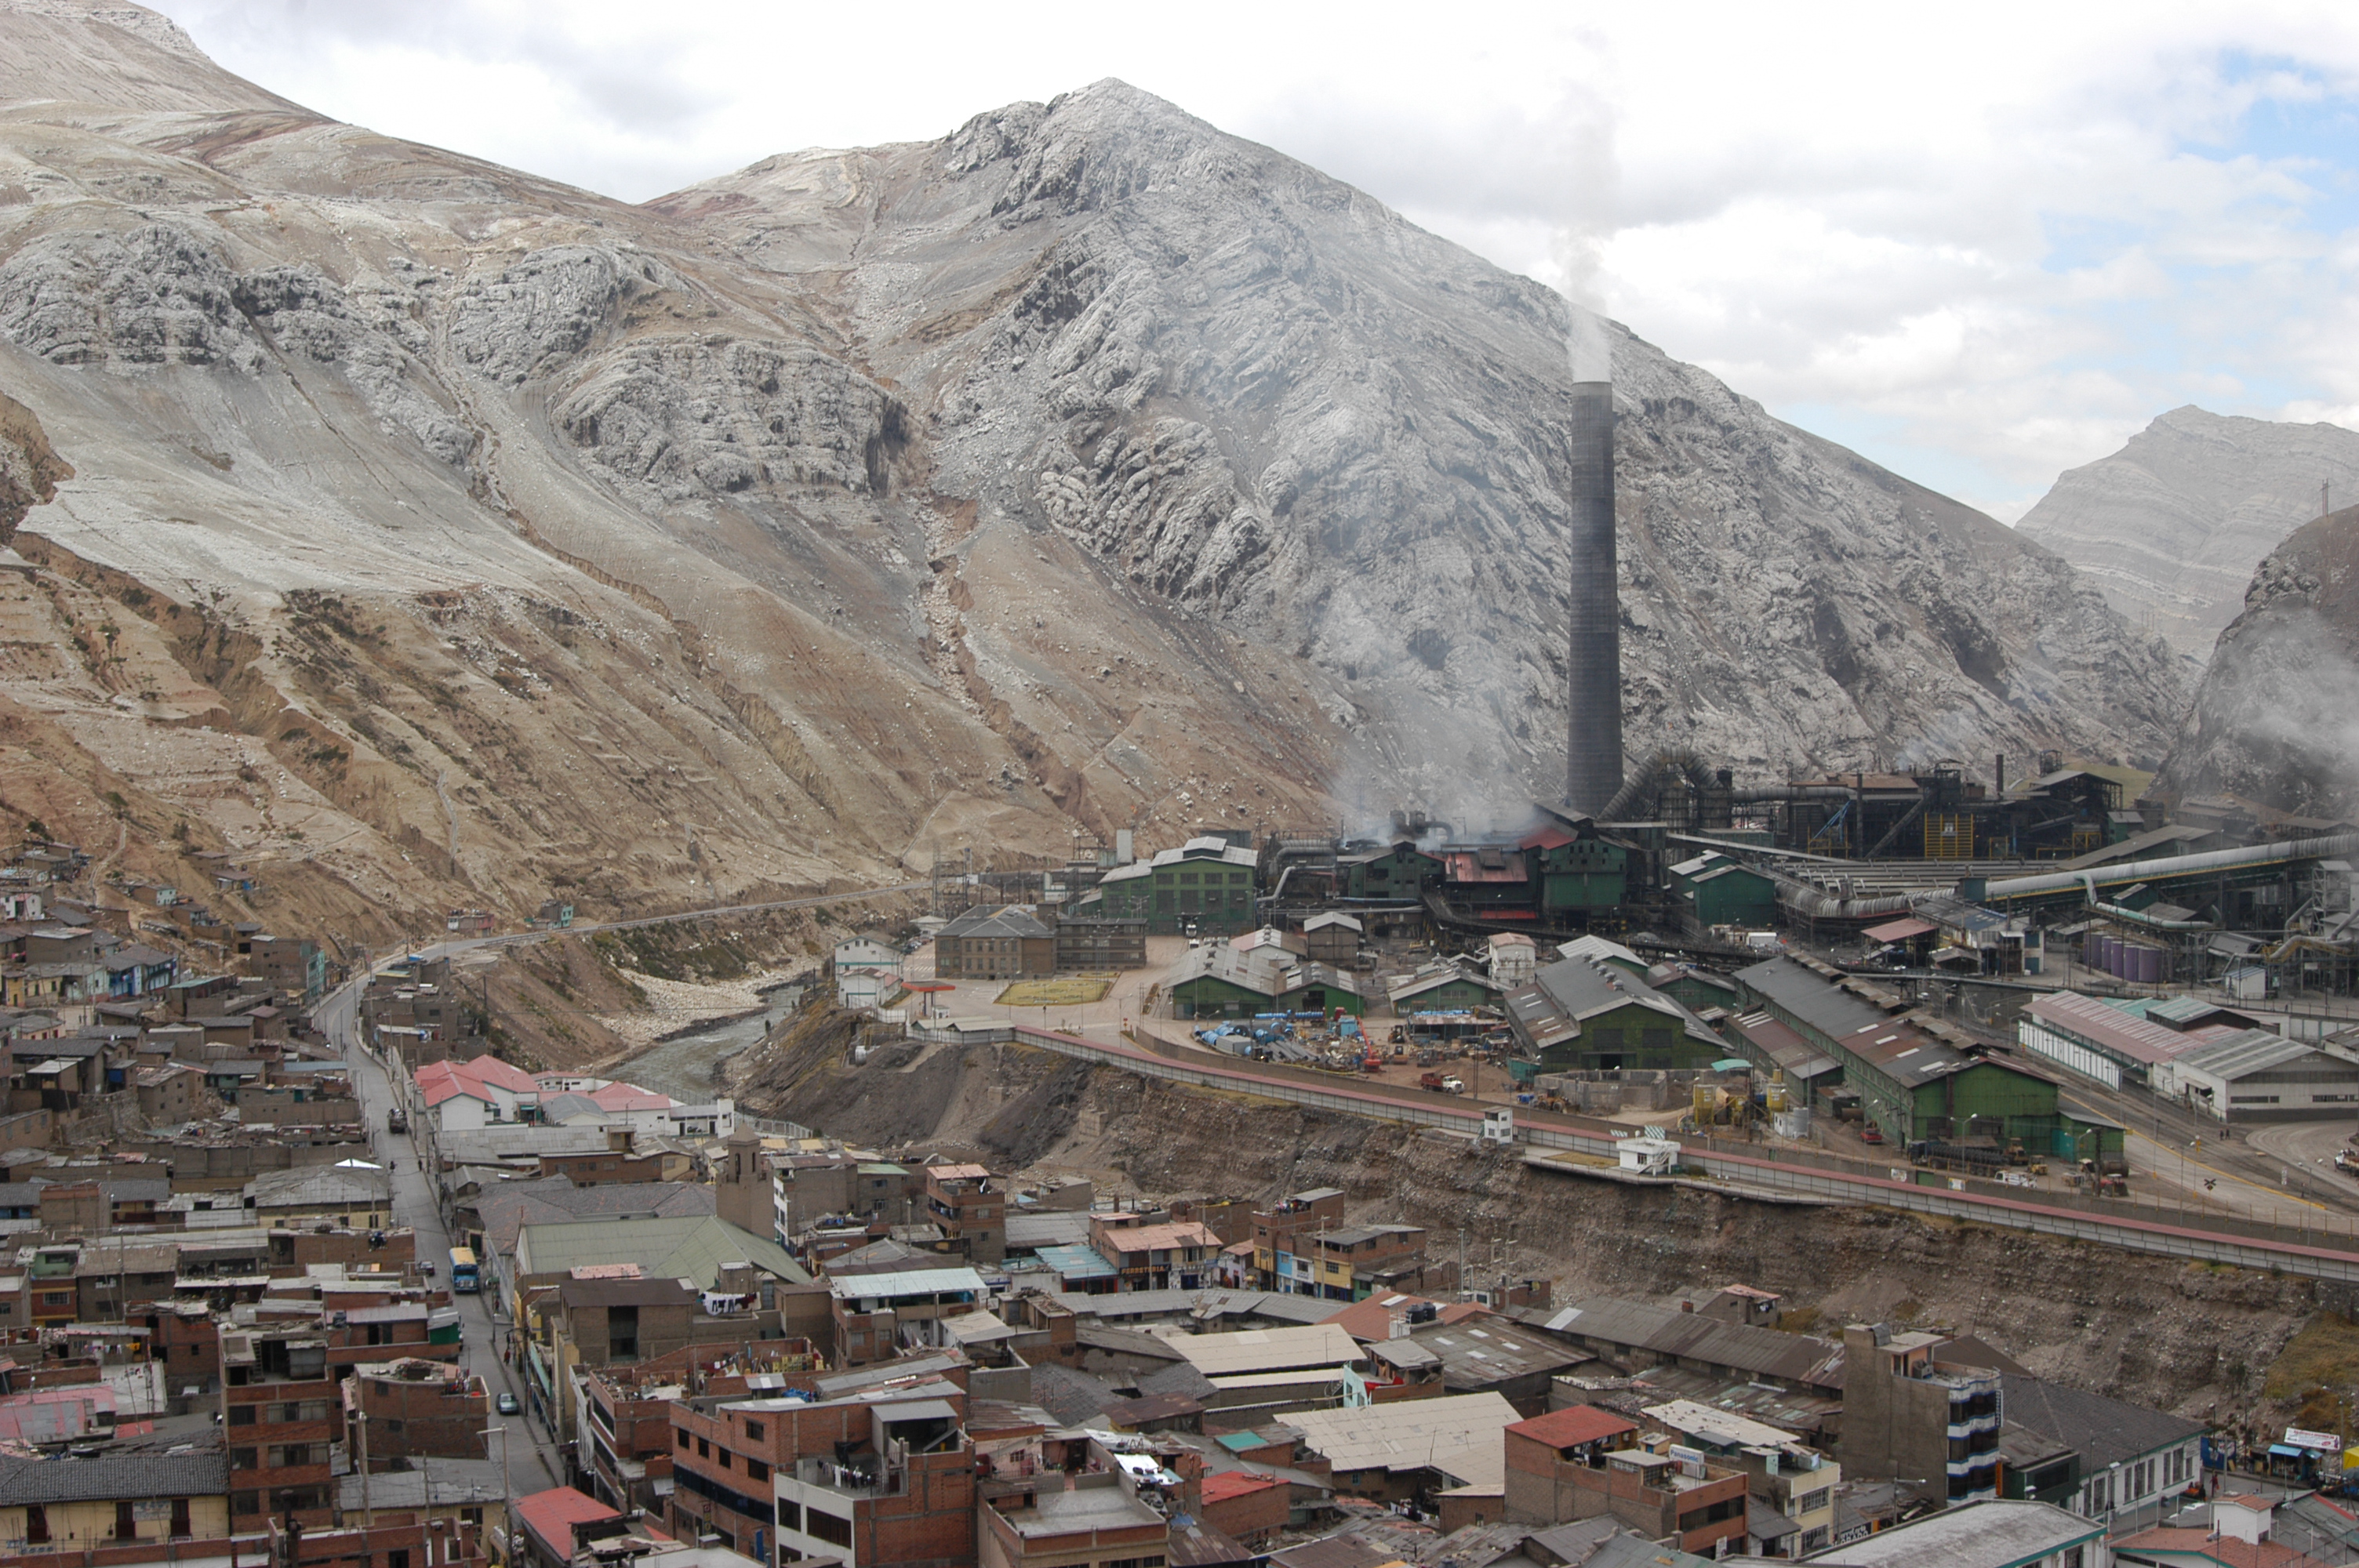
(1076,1262)
(1238,1442)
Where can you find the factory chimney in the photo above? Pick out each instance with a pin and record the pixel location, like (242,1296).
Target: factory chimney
(1592,774)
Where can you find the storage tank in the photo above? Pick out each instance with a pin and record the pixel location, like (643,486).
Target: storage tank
(1705,1101)
(2151,965)
(2112,947)
(1773,1095)
(2093,949)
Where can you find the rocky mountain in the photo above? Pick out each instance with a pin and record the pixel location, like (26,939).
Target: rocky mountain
(2172,525)
(438,531)
(2276,720)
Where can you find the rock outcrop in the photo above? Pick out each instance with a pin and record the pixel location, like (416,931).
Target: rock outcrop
(2276,720)
(1086,468)
(2172,525)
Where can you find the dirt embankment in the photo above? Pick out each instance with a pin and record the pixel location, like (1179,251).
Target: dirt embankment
(2188,1338)
(577,1000)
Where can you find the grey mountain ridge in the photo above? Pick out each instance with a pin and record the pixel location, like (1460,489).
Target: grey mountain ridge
(1086,464)
(2172,525)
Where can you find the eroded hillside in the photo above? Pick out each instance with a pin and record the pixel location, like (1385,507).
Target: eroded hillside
(466,537)
(2156,1332)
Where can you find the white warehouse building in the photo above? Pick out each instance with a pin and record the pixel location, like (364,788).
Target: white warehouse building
(2256,1075)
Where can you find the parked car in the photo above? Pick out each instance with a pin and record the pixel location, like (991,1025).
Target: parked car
(508,1405)
(1870,1135)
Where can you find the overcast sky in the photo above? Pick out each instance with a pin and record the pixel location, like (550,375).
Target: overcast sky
(1979,248)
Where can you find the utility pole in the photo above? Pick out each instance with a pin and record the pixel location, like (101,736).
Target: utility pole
(507,1491)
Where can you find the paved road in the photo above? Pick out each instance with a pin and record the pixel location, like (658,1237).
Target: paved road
(533,1460)
(533,1463)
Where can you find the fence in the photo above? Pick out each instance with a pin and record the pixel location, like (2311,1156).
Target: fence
(2215,1240)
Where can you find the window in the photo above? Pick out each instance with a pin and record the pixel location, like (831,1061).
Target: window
(397,1558)
(241,1458)
(245,1502)
(180,1527)
(36,1525)
(704,1449)
(126,1521)
(827,1527)
(791,1514)
(722,1459)
(681,1433)
(753,1431)
(756,1470)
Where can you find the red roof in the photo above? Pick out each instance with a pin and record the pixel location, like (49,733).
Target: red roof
(630,1096)
(1549,838)
(438,1081)
(1224,1485)
(1900,930)
(1571,1426)
(505,1075)
(551,1516)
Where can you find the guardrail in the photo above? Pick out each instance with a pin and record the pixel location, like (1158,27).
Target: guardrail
(2240,1244)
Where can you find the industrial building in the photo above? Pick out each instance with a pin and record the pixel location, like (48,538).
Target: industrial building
(1217,980)
(2257,1075)
(1582,1013)
(1205,886)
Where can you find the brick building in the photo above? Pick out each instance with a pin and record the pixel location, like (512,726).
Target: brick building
(971,1205)
(987,943)
(282,1411)
(1100,944)
(872,1477)
(1584,1462)
(417,1408)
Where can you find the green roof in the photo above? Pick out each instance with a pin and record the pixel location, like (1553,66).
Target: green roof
(688,1246)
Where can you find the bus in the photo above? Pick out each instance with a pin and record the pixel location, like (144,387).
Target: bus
(464,1278)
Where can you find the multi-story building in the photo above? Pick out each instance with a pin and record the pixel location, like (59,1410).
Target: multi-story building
(418,1408)
(871,1478)
(1791,1478)
(293,967)
(807,1188)
(1100,944)
(283,1416)
(1583,1463)
(1281,1235)
(1009,943)
(1204,886)
(1910,1417)
(971,1206)
(120,1499)
(878,1316)
(1155,1257)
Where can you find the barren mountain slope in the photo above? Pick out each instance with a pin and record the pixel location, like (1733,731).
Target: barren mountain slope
(2276,718)
(455,534)
(1255,389)
(2172,525)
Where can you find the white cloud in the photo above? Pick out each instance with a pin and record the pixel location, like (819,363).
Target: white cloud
(1984,246)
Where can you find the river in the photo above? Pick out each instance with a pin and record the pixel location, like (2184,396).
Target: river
(682,1068)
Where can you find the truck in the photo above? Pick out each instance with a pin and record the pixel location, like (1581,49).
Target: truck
(1441,1083)
(1429,1081)
(395,1121)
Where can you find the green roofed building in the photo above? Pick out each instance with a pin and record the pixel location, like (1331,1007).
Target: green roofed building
(1204,886)
(1218,980)
(1584,1012)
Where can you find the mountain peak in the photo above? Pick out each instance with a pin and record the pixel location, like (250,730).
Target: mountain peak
(117,56)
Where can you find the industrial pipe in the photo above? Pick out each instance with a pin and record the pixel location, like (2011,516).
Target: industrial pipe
(1646,784)
(2174,866)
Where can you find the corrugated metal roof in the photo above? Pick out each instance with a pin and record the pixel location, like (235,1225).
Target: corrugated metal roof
(1269,1349)
(1457,1435)
(1816,1002)
(1762,1352)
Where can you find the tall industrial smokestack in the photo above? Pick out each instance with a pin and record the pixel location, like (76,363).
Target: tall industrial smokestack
(1593,771)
